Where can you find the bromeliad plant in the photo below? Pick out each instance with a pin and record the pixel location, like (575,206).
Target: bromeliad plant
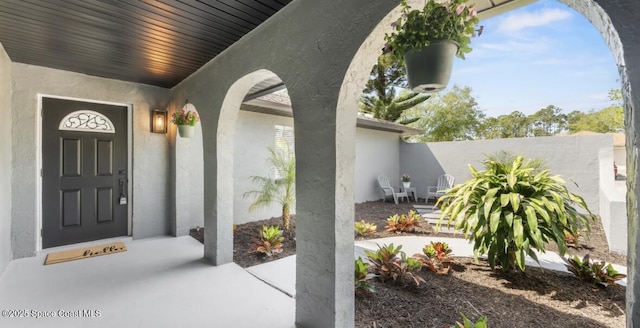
(269,241)
(435,257)
(363,228)
(403,223)
(453,20)
(362,277)
(388,266)
(512,208)
(466,323)
(593,272)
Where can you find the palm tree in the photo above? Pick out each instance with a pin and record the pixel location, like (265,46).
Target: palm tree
(279,189)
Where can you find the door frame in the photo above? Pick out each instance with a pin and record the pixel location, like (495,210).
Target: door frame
(39,160)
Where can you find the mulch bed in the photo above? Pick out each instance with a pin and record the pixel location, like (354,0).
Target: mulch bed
(535,298)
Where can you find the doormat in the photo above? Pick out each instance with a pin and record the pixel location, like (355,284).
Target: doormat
(85,253)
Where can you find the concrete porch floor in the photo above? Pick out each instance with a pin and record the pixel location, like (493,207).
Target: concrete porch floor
(158,282)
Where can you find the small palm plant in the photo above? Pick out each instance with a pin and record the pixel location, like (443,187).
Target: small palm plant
(512,208)
(277,190)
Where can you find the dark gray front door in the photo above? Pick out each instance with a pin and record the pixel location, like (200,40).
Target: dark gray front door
(84,172)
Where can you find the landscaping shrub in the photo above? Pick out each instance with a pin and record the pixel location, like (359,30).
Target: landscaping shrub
(364,229)
(388,266)
(466,323)
(435,257)
(269,241)
(362,277)
(512,208)
(403,223)
(593,272)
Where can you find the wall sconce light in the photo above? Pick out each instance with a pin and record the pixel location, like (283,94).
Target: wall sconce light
(159,121)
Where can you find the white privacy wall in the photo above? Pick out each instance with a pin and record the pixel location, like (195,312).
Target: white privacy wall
(575,158)
(254,134)
(377,152)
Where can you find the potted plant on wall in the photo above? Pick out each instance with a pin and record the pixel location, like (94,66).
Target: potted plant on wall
(186,120)
(427,40)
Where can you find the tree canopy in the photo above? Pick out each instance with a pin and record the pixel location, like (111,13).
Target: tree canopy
(447,116)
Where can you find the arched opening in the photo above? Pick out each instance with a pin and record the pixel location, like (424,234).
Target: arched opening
(243,140)
(360,66)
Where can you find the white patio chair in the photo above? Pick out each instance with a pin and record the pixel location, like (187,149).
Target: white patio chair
(445,182)
(387,190)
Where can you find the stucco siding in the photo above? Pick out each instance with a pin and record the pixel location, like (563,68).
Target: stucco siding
(575,158)
(377,153)
(254,134)
(5,160)
(189,182)
(150,176)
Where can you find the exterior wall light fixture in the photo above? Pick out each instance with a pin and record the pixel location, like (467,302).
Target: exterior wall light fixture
(159,121)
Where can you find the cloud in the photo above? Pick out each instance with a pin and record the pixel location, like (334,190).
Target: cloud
(523,20)
(516,47)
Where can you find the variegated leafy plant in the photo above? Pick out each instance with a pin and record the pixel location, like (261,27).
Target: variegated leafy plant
(512,208)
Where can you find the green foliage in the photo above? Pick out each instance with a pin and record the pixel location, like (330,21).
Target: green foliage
(272,190)
(514,125)
(466,323)
(364,228)
(362,277)
(548,121)
(388,266)
(379,97)
(511,209)
(593,272)
(450,20)
(606,120)
(447,116)
(403,223)
(435,257)
(269,241)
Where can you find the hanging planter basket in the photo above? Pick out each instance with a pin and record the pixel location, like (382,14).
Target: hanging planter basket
(429,69)
(186,131)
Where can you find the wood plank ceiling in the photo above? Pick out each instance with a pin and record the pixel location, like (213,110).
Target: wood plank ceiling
(156,42)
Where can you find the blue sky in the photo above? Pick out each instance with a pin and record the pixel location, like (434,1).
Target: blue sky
(538,55)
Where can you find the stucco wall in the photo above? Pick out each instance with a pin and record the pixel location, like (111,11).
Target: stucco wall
(377,153)
(573,157)
(150,176)
(189,185)
(613,211)
(254,134)
(5,160)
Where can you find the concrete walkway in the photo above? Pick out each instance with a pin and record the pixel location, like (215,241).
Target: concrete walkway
(158,282)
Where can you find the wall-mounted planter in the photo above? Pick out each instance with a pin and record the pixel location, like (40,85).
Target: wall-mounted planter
(429,69)
(186,131)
